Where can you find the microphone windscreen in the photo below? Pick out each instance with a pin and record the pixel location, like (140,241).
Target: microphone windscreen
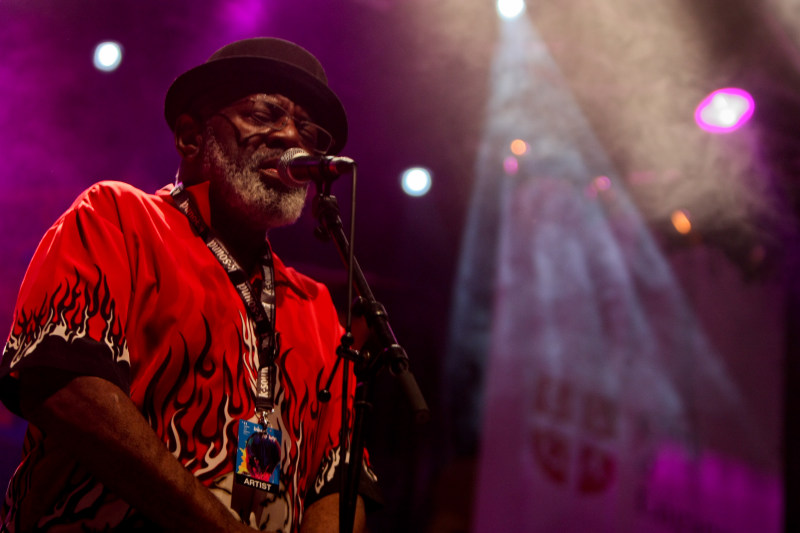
(284,173)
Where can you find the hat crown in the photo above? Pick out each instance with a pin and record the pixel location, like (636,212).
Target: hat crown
(260,65)
(272,48)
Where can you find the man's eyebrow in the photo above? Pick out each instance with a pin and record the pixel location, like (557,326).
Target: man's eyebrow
(279,100)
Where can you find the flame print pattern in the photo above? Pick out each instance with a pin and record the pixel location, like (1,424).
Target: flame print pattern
(168,322)
(73,311)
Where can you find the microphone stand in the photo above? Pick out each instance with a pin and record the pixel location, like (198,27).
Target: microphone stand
(382,349)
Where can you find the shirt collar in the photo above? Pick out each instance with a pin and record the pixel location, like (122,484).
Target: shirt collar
(283,274)
(302,285)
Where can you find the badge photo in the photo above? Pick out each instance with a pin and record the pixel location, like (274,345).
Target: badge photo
(258,458)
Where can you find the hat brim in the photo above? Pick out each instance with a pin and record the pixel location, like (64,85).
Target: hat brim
(235,77)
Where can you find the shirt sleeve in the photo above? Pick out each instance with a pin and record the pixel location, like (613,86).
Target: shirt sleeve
(72,306)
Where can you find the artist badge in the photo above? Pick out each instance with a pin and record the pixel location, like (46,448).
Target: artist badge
(258,458)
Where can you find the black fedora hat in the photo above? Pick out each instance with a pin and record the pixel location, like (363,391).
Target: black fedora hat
(262,64)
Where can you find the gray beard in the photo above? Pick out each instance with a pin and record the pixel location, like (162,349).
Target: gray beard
(244,193)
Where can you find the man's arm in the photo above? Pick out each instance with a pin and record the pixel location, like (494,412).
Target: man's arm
(322,516)
(99,425)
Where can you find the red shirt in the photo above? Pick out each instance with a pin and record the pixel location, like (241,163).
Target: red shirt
(122,288)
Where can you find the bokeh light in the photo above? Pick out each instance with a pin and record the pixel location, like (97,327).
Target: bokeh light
(107,56)
(509,9)
(511,165)
(602,183)
(519,147)
(680,219)
(724,110)
(416,181)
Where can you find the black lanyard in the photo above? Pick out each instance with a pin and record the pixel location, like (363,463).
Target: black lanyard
(261,311)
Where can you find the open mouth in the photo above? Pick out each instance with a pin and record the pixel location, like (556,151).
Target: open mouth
(271,172)
(269,167)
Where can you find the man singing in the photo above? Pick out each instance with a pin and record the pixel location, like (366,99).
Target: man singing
(166,359)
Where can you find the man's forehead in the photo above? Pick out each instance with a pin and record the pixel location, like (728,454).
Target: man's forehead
(274,98)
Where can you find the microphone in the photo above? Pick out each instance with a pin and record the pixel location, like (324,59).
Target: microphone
(298,167)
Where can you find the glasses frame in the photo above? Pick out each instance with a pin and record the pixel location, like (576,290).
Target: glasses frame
(262,124)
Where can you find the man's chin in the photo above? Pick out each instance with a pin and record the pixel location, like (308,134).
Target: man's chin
(268,215)
(260,203)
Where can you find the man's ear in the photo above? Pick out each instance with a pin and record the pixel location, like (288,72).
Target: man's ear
(188,136)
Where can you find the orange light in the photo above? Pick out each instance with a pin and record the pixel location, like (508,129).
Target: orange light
(519,147)
(681,222)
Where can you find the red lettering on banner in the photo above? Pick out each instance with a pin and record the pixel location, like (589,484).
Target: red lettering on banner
(573,435)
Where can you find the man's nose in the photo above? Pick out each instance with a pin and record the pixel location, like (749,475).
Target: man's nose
(286,137)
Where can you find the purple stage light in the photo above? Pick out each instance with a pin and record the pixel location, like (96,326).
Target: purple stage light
(511,165)
(724,110)
(602,183)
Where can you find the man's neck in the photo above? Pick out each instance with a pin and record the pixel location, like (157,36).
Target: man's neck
(247,248)
(243,241)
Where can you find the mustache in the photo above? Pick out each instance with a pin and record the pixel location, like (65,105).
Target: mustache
(265,157)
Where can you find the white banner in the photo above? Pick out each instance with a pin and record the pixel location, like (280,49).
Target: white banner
(608,408)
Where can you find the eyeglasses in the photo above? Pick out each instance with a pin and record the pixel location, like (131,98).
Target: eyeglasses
(262,117)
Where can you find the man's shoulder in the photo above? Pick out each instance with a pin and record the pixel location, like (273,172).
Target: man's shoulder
(114,189)
(116,195)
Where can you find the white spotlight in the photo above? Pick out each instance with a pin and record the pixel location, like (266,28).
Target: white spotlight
(416,181)
(107,56)
(725,110)
(510,9)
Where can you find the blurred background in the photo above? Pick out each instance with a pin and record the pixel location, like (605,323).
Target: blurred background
(597,292)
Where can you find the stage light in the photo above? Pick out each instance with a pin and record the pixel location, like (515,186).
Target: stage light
(724,110)
(602,183)
(416,181)
(107,56)
(511,165)
(519,147)
(680,219)
(510,9)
